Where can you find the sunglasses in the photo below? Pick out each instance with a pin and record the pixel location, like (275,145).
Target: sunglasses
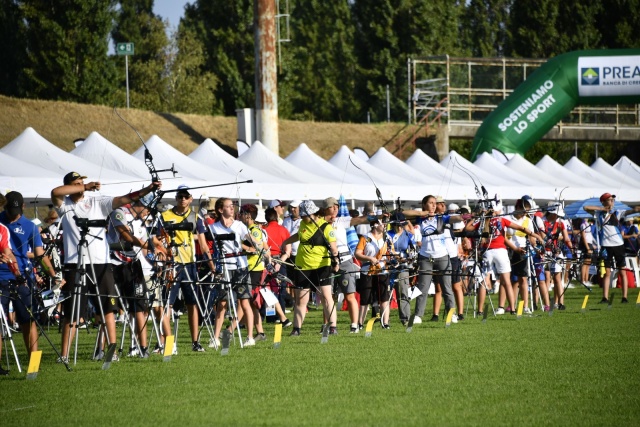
(182,196)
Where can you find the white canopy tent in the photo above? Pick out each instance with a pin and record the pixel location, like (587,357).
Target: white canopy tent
(101,151)
(424,164)
(211,155)
(32,148)
(588,174)
(519,164)
(563,176)
(621,178)
(306,159)
(628,168)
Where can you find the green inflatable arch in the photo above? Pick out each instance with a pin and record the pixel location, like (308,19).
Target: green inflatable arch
(553,90)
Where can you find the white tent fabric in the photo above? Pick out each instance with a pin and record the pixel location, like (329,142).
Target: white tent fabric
(165,156)
(455,161)
(306,159)
(12,167)
(302,184)
(627,167)
(488,162)
(563,176)
(423,163)
(343,160)
(588,174)
(211,155)
(519,164)
(103,152)
(32,148)
(609,171)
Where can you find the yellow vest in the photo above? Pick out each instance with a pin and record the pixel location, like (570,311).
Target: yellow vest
(186,253)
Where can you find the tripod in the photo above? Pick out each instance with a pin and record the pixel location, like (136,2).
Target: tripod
(479,282)
(6,335)
(80,286)
(227,287)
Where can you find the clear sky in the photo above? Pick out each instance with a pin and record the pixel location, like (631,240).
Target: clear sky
(171,10)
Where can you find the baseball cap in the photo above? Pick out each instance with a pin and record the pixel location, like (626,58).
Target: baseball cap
(606,196)
(465,207)
(453,207)
(183,189)
(295,203)
(277,202)
(329,202)
(72,176)
(307,207)
(14,203)
(439,199)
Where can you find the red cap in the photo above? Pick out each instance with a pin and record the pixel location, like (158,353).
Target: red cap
(606,196)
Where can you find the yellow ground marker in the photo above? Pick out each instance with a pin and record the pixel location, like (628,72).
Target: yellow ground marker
(584,303)
(369,329)
(169,341)
(34,365)
(520,309)
(449,317)
(277,336)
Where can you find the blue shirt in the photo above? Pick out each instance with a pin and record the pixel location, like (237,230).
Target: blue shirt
(24,238)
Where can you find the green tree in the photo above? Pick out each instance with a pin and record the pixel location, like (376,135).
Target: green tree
(225,29)
(321,73)
(619,21)
(13,54)
(67,43)
(190,89)
(136,23)
(486,27)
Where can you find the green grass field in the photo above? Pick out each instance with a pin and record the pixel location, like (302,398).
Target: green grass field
(571,368)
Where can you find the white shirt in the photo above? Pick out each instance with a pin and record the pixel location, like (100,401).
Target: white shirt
(232,246)
(91,208)
(292,226)
(519,238)
(340,225)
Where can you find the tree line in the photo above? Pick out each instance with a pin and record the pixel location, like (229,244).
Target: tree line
(341,56)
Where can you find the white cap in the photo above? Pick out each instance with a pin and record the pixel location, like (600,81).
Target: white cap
(295,203)
(453,207)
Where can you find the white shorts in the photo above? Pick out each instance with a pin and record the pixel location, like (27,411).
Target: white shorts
(557,265)
(496,260)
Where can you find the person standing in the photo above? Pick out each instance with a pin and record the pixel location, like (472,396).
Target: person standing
(70,203)
(16,278)
(403,243)
(235,259)
(609,238)
(184,258)
(317,257)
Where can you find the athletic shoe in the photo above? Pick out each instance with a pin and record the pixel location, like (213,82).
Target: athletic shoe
(158,349)
(260,337)
(197,347)
(624,301)
(527,310)
(454,318)
(556,306)
(404,322)
(133,351)
(546,308)
(214,343)
(604,301)
(354,330)
(286,323)
(115,358)
(360,326)
(499,311)
(249,342)
(417,320)
(460,317)
(99,355)
(295,332)
(333,330)
(145,354)
(561,307)
(4,371)
(434,318)
(480,314)
(385,325)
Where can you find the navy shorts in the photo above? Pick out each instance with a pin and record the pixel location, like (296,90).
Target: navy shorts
(22,298)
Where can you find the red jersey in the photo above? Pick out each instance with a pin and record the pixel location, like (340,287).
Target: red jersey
(496,232)
(5,238)
(276,234)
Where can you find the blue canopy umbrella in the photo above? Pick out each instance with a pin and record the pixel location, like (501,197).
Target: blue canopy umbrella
(576,209)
